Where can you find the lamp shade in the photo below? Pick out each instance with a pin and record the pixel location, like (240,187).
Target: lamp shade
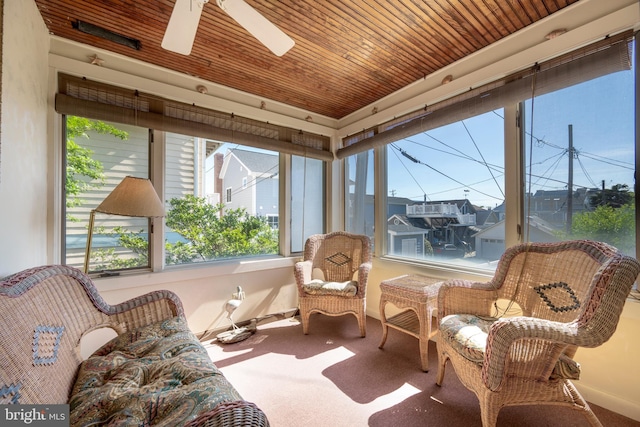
(133,197)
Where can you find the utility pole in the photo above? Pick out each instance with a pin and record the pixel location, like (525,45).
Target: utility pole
(570,183)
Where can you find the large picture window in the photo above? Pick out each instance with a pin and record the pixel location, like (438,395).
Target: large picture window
(446,192)
(580,151)
(199,226)
(221,200)
(545,154)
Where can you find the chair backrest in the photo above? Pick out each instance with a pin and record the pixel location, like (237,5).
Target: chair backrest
(338,254)
(44,312)
(577,281)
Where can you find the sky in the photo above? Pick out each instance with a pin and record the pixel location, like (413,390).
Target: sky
(466,159)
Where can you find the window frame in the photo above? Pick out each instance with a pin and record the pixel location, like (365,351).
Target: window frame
(514,183)
(156,165)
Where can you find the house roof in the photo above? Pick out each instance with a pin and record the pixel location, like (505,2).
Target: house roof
(255,161)
(401,224)
(348,54)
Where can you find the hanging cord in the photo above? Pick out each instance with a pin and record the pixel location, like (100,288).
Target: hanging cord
(304,199)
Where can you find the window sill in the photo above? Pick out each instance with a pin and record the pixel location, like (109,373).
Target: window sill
(440,269)
(174,274)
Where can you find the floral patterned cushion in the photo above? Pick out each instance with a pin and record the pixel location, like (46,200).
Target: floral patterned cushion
(320,287)
(468,334)
(159,374)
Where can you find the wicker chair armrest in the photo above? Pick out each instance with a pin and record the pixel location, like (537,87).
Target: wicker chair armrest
(363,278)
(465,296)
(538,343)
(302,272)
(145,310)
(231,414)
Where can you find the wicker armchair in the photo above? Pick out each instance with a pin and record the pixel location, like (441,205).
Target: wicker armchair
(570,295)
(332,278)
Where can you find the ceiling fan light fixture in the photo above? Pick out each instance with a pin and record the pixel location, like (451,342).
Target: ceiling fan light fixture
(184,21)
(262,29)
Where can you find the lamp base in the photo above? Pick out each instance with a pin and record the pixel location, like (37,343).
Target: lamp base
(237,334)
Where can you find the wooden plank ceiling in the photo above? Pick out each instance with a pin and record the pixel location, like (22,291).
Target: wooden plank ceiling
(347,53)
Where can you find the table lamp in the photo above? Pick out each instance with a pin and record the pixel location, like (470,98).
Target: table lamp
(132,197)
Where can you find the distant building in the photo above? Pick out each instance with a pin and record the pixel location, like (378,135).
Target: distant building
(553,205)
(489,241)
(433,224)
(249,180)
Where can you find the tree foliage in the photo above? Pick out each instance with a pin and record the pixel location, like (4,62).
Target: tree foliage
(606,223)
(205,235)
(83,172)
(616,196)
(210,235)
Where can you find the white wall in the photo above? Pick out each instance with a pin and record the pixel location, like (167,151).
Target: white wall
(24,239)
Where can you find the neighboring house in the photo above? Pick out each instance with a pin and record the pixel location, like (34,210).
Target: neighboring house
(449,221)
(440,223)
(489,241)
(365,222)
(407,236)
(250,181)
(553,205)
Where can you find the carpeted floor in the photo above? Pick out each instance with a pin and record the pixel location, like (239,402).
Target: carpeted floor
(334,378)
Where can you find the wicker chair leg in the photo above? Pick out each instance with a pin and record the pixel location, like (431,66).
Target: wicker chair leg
(489,414)
(362,323)
(304,319)
(442,361)
(579,404)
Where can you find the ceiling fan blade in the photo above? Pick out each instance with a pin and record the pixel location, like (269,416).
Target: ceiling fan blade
(182,27)
(259,26)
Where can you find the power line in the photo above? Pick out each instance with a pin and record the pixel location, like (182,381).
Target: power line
(408,171)
(483,159)
(413,159)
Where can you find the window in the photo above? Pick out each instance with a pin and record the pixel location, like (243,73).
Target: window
(214,211)
(580,150)
(272,220)
(197,171)
(563,132)
(198,229)
(359,206)
(307,200)
(446,196)
(98,156)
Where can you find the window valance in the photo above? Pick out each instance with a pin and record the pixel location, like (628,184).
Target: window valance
(598,59)
(99,101)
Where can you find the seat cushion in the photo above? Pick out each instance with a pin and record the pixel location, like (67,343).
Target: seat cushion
(467,334)
(158,374)
(320,287)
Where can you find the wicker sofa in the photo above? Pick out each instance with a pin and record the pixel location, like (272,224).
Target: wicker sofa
(155,372)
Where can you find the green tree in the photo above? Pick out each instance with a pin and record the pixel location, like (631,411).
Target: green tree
(83,172)
(205,236)
(617,196)
(615,226)
(210,235)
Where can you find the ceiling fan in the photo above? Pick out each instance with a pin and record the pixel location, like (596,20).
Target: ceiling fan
(183,24)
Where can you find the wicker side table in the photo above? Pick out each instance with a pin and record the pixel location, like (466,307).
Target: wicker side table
(419,296)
